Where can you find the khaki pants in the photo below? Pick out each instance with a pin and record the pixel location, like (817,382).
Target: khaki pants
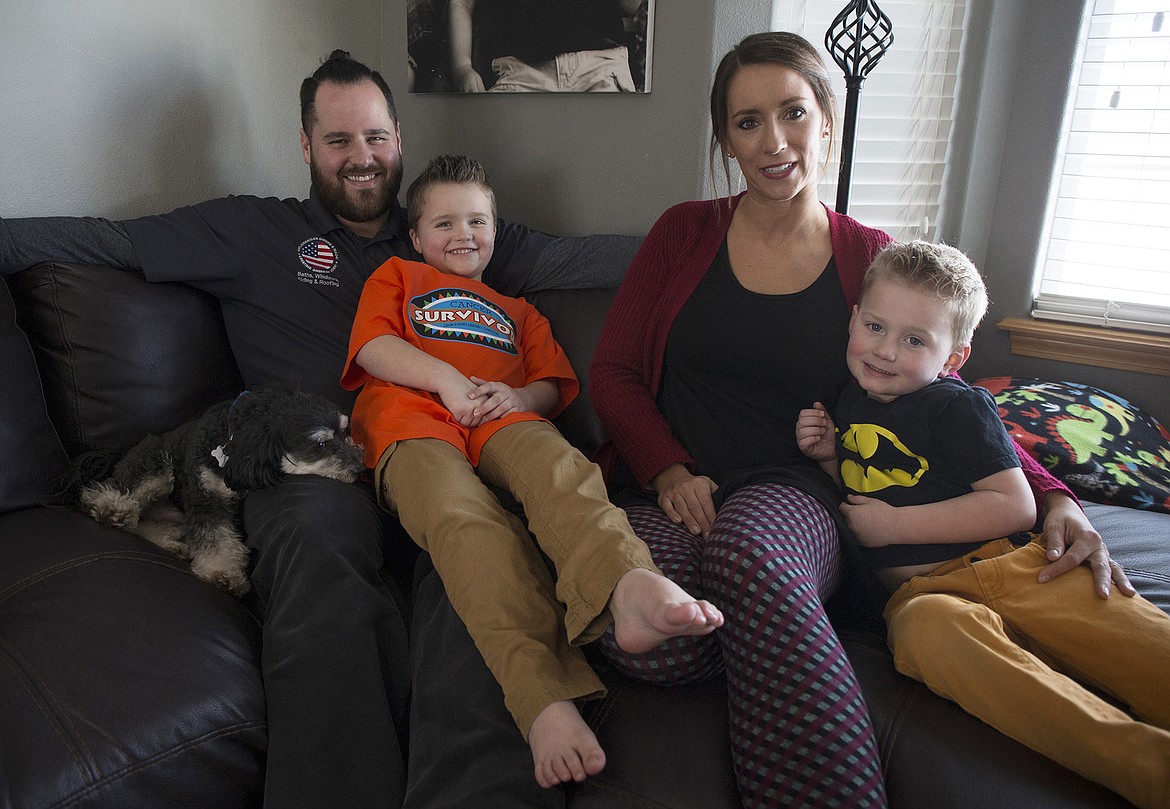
(525,626)
(983,632)
(605,71)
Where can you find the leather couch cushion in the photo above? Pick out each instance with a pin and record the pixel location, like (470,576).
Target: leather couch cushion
(25,430)
(576,317)
(121,357)
(664,746)
(124,680)
(1140,541)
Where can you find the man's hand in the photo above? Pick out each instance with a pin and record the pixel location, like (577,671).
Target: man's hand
(466,80)
(686,498)
(1072,541)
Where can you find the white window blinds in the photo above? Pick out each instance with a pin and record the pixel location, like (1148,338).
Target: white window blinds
(905,113)
(1107,256)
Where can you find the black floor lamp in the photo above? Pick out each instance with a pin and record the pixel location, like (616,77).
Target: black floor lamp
(859,36)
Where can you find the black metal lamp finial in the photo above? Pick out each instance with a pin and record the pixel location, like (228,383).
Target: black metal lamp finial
(857,39)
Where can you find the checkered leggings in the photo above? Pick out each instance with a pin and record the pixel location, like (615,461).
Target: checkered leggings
(800,732)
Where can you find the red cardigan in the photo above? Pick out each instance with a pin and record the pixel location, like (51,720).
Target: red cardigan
(626,372)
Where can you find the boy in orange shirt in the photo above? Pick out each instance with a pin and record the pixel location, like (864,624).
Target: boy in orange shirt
(458,384)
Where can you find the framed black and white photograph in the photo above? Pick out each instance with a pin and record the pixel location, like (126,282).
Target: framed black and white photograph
(529,46)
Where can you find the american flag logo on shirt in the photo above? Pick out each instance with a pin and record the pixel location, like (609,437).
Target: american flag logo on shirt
(317,254)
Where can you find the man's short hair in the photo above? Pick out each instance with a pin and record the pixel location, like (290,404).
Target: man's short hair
(341,69)
(458,169)
(940,269)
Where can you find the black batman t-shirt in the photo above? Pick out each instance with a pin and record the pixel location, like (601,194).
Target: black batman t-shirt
(922,447)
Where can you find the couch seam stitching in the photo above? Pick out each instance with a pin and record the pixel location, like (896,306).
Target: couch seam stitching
(79,795)
(67,347)
(55,720)
(60,567)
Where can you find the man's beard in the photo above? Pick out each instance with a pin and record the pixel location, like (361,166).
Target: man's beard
(353,205)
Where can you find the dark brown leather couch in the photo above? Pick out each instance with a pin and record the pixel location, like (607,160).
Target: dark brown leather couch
(124,681)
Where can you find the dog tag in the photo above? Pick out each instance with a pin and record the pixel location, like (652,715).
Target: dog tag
(220,457)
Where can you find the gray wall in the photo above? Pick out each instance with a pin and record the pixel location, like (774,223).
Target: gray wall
(127,107)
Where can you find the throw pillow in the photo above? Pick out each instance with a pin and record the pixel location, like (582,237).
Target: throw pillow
(1104,448)
(121,357)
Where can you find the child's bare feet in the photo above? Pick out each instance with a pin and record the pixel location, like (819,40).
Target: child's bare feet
(563,747)
(649,608)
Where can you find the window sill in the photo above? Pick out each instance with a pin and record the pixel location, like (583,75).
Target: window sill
(1089,345)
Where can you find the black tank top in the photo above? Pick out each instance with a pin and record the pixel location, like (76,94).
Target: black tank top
(740,366)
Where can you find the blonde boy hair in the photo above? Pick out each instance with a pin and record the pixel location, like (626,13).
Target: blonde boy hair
(937,268)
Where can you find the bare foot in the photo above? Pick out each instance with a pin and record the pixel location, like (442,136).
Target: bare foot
(563,747)
(649,608)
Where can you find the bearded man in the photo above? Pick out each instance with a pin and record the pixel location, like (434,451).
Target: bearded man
(288,274)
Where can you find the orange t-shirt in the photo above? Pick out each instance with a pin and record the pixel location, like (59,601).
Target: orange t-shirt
(462,322)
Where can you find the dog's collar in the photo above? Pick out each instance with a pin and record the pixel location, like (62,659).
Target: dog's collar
(219,454)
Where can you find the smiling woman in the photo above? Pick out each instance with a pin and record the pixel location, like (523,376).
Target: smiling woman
(704,423)
(704,453)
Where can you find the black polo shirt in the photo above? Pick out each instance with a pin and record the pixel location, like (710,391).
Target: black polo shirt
(288,276)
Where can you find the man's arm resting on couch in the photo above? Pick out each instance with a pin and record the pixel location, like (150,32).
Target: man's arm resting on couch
(81,240)
(583,262)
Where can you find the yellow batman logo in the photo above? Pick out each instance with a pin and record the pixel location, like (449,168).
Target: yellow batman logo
(896,466)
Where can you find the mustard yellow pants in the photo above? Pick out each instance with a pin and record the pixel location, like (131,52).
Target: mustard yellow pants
(526,626)
(982,632)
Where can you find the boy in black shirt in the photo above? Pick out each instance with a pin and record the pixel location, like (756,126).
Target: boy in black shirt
(932,482)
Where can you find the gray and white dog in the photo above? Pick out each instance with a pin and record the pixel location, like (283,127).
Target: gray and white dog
(206,466)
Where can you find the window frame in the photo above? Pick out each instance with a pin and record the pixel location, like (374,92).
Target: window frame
(1052,304)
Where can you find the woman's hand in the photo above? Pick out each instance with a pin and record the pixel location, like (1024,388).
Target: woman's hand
(1072,541)
(685,498)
